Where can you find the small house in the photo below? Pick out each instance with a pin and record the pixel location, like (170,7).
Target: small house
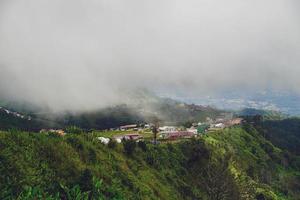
(177,135)
(167,129)
(127,127)
(219,125)
(132,136)
(193,130)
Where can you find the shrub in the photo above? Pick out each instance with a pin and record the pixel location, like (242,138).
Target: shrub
(53,135)
(129,146)
(92,156)
(35,193)
(142,145)
(76,143)
(74,130)
(74,193)
(86,180)
(260,197)
(112,144)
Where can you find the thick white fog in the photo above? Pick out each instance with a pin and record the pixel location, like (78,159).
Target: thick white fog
(86,54)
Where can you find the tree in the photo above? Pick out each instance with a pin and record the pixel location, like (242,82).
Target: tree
(112,144)
(218,182)
(154,128)
(142,145)
(187,124)
(155,131)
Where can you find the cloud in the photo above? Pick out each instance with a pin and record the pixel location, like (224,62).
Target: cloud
(86,54)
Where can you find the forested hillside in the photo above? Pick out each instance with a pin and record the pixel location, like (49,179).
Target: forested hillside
(283,133)
(235,163)
(266,114)
(145,110)
(11,121)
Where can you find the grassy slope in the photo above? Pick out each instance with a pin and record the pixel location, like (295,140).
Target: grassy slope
(38,160)
(257,160)
(169,171)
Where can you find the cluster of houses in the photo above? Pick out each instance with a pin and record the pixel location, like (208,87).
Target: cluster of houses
(132,131)
(174,132)
(223,123)
(173,135)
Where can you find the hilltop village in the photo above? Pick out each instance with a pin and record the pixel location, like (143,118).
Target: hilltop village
(163,133)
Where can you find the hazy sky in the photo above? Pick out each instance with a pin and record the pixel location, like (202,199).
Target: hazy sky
(85,54)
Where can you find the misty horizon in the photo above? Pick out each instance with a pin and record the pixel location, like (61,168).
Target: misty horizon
(85,55)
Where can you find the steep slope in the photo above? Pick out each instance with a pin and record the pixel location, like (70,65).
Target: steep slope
(236,163)
(258,163)
(283,133)
(12,119)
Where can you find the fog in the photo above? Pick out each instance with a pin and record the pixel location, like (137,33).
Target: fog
(87,54)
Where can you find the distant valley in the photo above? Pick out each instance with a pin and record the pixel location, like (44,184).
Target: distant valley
(285,102)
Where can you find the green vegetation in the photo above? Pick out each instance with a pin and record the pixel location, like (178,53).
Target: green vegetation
(235,163)
(74,130)
(255,160)
(284,133)
(266,114)
(170,111)
(8,121)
